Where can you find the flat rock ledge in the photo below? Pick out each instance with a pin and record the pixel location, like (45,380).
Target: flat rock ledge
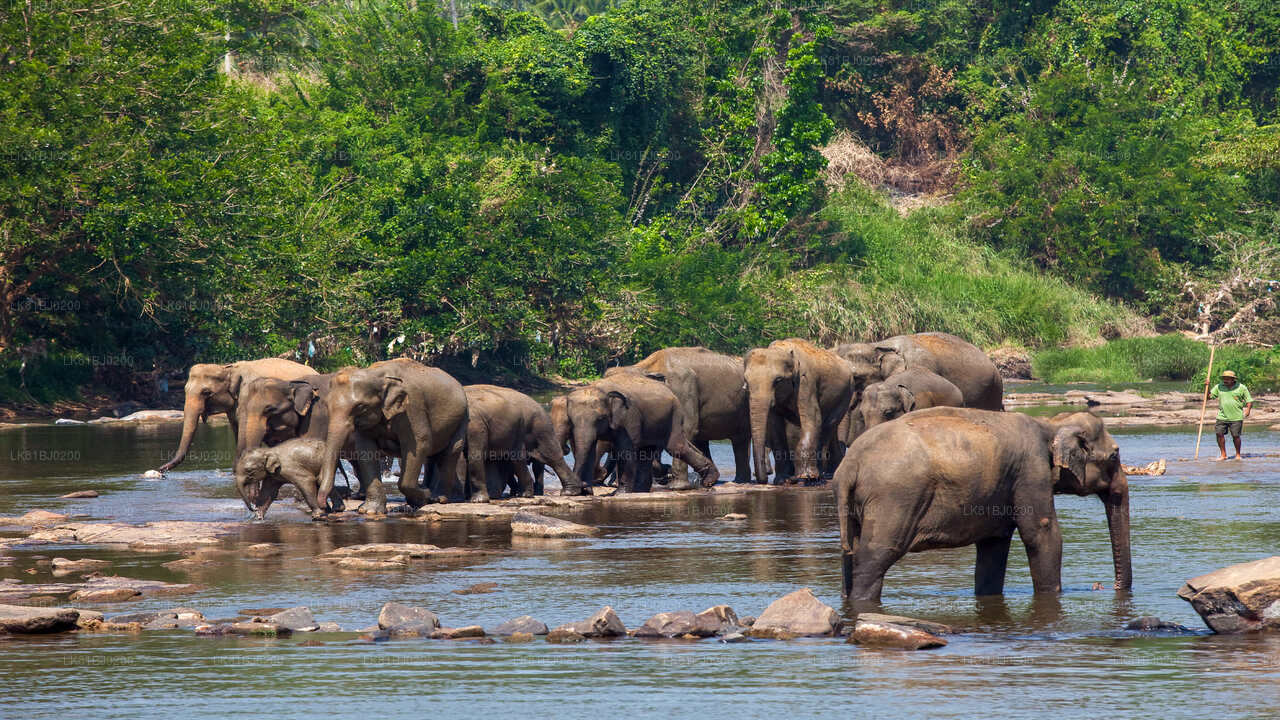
(529,524)
(20,619)
(796,614)
(1238,599)
(94,590)
(393,556)
(159,536)
(928,626)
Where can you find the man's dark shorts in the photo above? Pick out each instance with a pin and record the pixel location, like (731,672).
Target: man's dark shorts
(1222,426)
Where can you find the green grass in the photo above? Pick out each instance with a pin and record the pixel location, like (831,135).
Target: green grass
(1168,357)
(920,272)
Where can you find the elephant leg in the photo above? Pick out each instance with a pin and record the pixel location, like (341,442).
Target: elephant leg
(447,467)
(496,478)
(478,470)
(993,557)
(368,466)
(866,570)
(707,471)
(411,467)
(525,479)
(1038,527)
(644,469)
(742,459)
(626,462)
(538,470)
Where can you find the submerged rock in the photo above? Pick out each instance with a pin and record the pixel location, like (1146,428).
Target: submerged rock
(886,634)
(533,525)
(35,519)
(163,535)
(796,614)
(395,614)
(478,589)
(734,516)
(523,624)
(564,635)
(297,619)
(521,637)
(1239,598)
(63,566)
(78,494)
(470,631)
(262,550)
(106,595)
(1150,623)
(398,562)
(21,619)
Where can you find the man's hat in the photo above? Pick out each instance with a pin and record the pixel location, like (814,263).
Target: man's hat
(1228,374)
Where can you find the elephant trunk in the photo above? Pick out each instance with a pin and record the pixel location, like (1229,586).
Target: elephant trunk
(1117,504)
(760,408)
(340,429)
(253,433)
(244,485)
(584,455)
(192,410)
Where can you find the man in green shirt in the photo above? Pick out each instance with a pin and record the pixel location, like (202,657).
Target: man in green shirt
(1234,405)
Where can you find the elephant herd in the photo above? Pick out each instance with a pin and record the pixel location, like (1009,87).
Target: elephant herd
(931,461)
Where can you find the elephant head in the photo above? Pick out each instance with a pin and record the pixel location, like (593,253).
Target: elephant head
(251,472)
(359,399)
(772,376)
(210,389)
(273,410)
(1086,461)
(882,402)
(589,416)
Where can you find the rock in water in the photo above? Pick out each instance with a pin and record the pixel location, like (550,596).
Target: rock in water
(63,566)
(470,631)
(394,614)
(152,475)
(297,619)
(23,619)
(668,625)
(80,494)
(1151,623)
(534,525)
(603,624)
(925,625)
(478,589)
(523,624)
(794,615)
(884,634)
(1240,598)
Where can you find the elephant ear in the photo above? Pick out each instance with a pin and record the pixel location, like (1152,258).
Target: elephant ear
(618,406)
(660,377)
(1070,452)
(908,398)
(889,360)
(272,463)
(394,397)
(304,396)
(234,381)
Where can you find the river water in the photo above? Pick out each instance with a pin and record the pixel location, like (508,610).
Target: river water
(1068,657)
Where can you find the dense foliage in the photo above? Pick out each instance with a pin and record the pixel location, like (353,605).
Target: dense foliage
(551,186)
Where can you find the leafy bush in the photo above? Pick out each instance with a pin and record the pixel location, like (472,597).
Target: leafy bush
(1167,357)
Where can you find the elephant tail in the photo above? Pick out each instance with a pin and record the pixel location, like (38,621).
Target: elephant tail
(849,517)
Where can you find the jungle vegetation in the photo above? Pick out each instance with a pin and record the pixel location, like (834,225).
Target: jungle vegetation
(551,187)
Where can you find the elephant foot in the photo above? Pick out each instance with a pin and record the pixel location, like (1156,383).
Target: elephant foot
(479,498)
(574,490)
(679,483)
(317,515)
(373,507)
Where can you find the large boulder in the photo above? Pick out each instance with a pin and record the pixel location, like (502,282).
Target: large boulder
(297,619)
(395,616)
(681,623)
(796,614)
(23,619)
(925,625)
(531,524)
(1240,598)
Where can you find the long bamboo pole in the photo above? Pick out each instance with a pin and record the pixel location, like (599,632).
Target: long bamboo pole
(1204,404)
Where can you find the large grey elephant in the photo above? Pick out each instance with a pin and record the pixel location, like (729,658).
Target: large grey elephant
(712,391)
(794,382)
(960,362)
(271,411)
(950,477)
(639,417)
(261,471)
(408,410)
(506,430)
(899,394)
(212,389)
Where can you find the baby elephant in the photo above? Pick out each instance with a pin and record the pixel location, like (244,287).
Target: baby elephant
(263,470)
(899,394)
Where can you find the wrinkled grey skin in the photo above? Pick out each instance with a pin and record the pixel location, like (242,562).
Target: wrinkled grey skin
(950,477)
(640,417)
(260,471)
(792,382)
(901,393)
(963,364)
(271,411)
(563,427)
(506,430)
(712,391)
(413,412)
(213,389)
